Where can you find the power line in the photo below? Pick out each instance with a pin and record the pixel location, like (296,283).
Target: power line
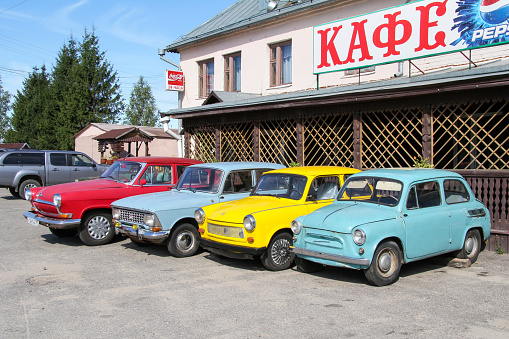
(8,9)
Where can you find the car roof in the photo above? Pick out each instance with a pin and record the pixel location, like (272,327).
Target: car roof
(409,174)
(231,166)
(162,160)
(316,170)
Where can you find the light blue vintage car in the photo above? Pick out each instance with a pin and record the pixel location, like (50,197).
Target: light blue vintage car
(168,217)
(383,218)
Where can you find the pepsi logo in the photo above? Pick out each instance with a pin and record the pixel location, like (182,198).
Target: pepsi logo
(494,12)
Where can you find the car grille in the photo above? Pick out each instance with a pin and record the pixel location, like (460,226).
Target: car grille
(226,231)
(131,216)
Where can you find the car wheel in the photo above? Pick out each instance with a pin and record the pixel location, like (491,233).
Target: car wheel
(278,256)
(471,246)
(97,229)
(65,233)
(386,264)
(184,241)
(308,266)
(29,183)
(139,243)
(13,192)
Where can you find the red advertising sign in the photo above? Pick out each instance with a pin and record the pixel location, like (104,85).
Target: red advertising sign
(414,30)
(174,80)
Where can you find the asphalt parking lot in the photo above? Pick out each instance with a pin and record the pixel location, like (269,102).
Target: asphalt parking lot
(59,288)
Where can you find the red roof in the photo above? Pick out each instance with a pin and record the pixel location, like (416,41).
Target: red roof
(163,160)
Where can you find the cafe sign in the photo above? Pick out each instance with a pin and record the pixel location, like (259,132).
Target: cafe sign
(410,31)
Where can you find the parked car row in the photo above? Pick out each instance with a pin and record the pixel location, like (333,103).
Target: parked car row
(373,221)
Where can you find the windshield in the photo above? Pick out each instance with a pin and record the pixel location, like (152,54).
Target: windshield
(201,179)
(123,171)
(371,189)
(281,185)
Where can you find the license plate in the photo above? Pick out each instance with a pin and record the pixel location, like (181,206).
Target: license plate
(32,221)
(140,234)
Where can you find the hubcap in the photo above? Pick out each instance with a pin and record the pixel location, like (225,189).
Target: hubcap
(280,252)
(185,241)
(98,227)
(470,246)
(29,186)
(387,262)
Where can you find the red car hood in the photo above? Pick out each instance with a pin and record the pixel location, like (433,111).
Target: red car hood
(46,193)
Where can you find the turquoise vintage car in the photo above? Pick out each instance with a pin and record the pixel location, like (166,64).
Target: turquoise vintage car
(384,218)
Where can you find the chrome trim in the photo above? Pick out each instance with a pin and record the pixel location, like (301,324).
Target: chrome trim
(44,202)
(333,257)
(53,222)
(146,235)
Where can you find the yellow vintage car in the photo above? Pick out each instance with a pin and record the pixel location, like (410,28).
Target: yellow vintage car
(259,225)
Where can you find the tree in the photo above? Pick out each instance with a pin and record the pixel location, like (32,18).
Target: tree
(5,99)
(32,121)
(142,108)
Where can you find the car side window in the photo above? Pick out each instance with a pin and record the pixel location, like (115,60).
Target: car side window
(323,188)
(424,195)
(57,159)
(31,159)
(80,160)
(455,192)
(238,182)
(157,175)
(11,159)
(180,170)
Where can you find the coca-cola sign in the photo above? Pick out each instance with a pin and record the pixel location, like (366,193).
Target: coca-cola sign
(174,80)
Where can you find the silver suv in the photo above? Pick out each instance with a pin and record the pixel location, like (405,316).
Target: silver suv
(23,169)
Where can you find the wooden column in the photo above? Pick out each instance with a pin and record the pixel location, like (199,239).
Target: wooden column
(256,141)
(357,147)
(218,143)
(427,145)
(146,149)
(300,141)
(186,144)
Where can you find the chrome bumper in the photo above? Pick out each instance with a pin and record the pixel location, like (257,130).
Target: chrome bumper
(332,257)
(142,234)
(53,222)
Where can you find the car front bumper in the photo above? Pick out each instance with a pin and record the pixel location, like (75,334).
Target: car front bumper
(142,234)
(55,223)
(231,251)
(331,257)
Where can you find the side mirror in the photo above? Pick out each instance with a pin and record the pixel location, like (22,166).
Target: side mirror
(94,165)
(143,182)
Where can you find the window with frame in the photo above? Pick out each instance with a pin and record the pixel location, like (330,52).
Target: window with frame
(157,175)
(323,188)
(423,195)
(281,63)
(80,160)
(370,69)
(455,192)
(238,182)
(232,67)
(206,77)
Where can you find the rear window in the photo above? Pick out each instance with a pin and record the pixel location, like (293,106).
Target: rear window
(11,159)
(31,159)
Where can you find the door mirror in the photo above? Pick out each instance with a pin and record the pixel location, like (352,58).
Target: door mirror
(143,182)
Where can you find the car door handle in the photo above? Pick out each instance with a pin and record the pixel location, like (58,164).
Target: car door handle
(405,215)
(76,170)
(55,169)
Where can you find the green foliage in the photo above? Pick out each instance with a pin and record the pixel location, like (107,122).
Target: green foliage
(83,88)
(5,99)
(420,162)
(498,246)
(142,108)
(294,164)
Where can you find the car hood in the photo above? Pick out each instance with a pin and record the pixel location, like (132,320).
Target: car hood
(343,217)
(168,200)
(47,192)
(235,211)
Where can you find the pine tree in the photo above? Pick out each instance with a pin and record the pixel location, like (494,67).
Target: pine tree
(142,108)
(30,111)
(5,99)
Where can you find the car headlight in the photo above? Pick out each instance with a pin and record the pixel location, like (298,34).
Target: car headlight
(57,200)
(115,213)
(296,226)
(149,219)
(28,194)
(199,215)
(249,222)
(359,237)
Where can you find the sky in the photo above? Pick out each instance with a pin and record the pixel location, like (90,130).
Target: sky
(32,32)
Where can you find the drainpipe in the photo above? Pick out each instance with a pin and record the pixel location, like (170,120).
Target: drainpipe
(165,121)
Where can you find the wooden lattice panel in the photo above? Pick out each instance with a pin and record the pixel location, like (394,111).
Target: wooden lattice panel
(237,142)
(328,140)
(202,144)
(278,140)
(391,139)
(473,136)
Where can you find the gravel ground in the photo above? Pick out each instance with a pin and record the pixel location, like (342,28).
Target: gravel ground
(55,287)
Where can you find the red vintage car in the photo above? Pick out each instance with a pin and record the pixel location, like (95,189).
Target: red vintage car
(84,207)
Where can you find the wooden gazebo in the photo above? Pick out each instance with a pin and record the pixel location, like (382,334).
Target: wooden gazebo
(117,138)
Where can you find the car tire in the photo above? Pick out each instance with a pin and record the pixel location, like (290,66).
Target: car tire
(97,229)
(308,266)
(13,192)
(139,243)
(26,184)
(278,255)
(64,233)
(471,246)
(386,264)
(183,241)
